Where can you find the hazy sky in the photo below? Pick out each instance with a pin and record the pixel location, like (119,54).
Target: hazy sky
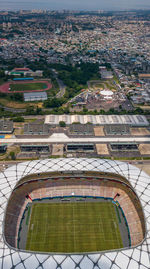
(75,4)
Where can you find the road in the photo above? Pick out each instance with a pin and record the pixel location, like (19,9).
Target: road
(62,88)
(62,138)
(13,110)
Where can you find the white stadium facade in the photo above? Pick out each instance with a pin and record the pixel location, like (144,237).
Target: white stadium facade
(135,257)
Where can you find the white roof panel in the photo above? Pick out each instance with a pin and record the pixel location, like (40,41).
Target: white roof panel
(133,120)
(133,258)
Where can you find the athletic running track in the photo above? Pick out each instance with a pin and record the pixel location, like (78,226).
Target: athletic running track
(5,87)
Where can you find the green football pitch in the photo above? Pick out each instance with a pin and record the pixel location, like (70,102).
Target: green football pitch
(28,86)
(73,227)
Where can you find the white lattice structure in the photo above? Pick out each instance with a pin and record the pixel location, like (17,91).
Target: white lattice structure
(133,258)
(133,120)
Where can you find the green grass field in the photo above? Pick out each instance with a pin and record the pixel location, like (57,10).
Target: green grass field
(73,227)
(28,86)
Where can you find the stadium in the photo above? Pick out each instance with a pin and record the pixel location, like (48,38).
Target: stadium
(75,213)
(25,85)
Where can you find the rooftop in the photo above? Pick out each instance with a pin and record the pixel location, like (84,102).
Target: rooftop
(130,258)
(132,120)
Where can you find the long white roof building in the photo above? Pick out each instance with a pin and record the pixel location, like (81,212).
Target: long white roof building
(133,120)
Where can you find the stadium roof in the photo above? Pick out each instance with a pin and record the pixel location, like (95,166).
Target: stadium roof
(6,126)
(35,96)
(106,74)
(81,129)
(36,128)
(133,120)
(117,129)
(21,69)
(106,93)
(133,258)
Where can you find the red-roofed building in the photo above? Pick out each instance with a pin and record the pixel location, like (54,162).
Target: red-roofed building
(25,72)
(21,69)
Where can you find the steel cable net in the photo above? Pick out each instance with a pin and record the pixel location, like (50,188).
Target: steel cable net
(133,258)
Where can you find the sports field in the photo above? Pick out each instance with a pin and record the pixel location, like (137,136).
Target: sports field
(28,86)
(73,227)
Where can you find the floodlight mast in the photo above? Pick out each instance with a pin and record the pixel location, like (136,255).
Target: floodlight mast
(29,197)
(117,195)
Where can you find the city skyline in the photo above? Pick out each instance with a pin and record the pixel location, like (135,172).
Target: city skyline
(75,5)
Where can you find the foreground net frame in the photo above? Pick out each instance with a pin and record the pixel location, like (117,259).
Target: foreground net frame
(133,258)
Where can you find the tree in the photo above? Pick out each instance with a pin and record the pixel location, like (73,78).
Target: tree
(30,110)
(66,110)
(111,110)
(12,155)
(78,75)
(138,110)
(16,97)
(62,124)
(85,110)
(53,102)
(2,73)
(18,119)
(102,111)
(38,110)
